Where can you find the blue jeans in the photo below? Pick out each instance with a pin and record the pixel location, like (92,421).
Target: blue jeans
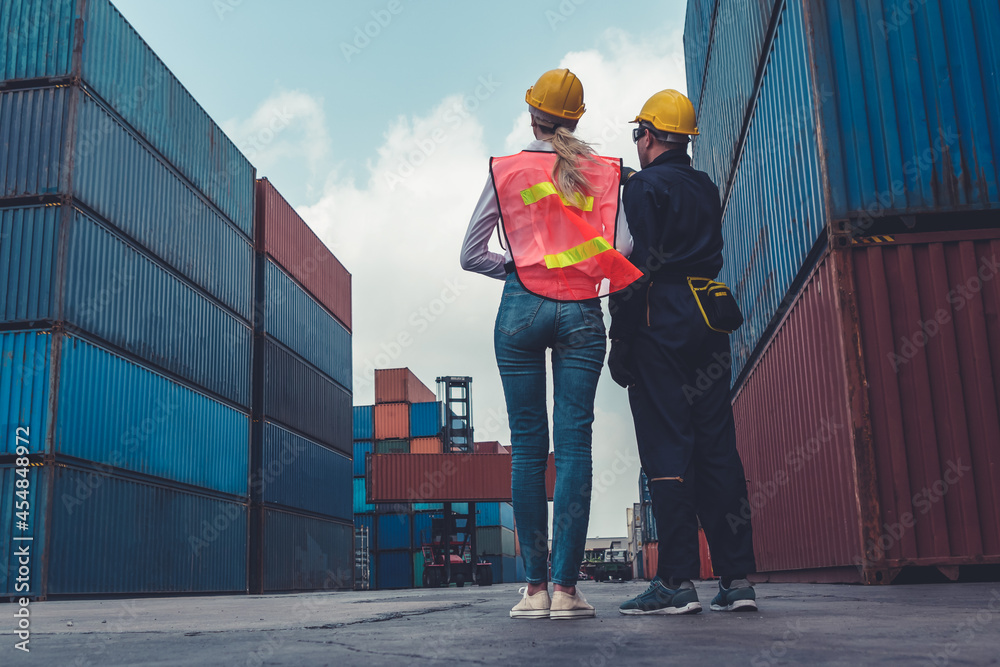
(526,326)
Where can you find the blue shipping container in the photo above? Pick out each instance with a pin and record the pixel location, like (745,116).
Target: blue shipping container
(38,491)
(118,413)
(394,570)
(116,292)
(422,528)
(360,506)
(394,532)
(121,68)
(301,474)
(294,318)
(425,419)
(119,178)
(307,554)
(364,422)
(361,451)
(427,507)
(495,514)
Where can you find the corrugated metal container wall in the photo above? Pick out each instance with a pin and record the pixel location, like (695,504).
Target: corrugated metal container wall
(394,532)
(930,331)
(495,540)
(301,474)
(123,71)
(25,358)
(364,422)
(392,447)
(794,429)
(774,213)
(360,504)
(418,569)
(109,290)
(738,36)
(425,419)
(915,124)
(165,540)
(395,569)
(286,237)
(116,175)
(697,44)
(650,558)
(304,400)
(422,528)
(490,447)
(426,446)
(294,318)
(361,449)
(466,477)
(303,553)
(400,385)
(392,420)
(427,507)
(38,485)
(495,514)
(519,571)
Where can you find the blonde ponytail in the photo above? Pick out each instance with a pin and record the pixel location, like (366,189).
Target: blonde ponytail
(568,174)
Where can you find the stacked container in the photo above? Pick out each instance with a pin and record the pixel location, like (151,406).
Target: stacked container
(125,247)
(301,513)
(856,149)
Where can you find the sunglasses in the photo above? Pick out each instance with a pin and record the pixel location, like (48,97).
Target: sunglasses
(637,134)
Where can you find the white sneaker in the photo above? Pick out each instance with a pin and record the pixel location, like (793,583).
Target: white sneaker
(531,606)
(565,605)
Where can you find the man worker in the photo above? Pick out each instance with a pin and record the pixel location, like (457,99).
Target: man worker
(661,344)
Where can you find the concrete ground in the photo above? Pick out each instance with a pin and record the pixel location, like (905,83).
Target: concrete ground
(931,624)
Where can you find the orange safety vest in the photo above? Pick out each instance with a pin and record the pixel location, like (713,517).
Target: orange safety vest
(562,249)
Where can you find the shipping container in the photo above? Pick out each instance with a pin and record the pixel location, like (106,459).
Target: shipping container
(427,507)
(392,447)
(445,477)
(422,527)
(650,559)
(704,557)
(426,446)
(304,553)
(80,272)
(394,532)
(886,371)
(425,419)
(492,447)
(361,451)
(302,399)
(400,385)
(88,42)
(303,475)
(360,504)
(495,514)
(166,539)
(286,238)
(495,540)
(395,569)
(392,420)
(364,422)
(519,571)
(291,316)
(418,569)
(505,569)
(61,141)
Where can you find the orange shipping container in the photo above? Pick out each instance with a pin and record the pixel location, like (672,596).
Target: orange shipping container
(650,558)
(491,447)
(426,446)
(392,420)
(706,558)
(400,385)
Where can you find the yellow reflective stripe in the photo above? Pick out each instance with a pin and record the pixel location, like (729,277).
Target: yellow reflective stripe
(577,254)
(541,190)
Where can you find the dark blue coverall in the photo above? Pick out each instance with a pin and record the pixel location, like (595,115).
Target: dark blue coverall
(681,400)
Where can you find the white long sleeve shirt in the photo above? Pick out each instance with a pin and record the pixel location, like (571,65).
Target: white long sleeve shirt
(476,254)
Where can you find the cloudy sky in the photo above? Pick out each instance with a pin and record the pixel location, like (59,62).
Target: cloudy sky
(377,120)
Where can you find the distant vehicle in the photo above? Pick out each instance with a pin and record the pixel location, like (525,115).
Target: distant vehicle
(608,564)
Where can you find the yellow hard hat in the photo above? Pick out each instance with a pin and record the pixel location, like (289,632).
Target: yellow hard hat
(558,93)
(669,111)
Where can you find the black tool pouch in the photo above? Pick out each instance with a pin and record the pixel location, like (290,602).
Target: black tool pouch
(717,304)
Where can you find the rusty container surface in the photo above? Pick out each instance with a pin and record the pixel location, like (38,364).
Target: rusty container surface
(392,420)
(284,236)
(650,557)
(404,478)
(400,385)
(426,446)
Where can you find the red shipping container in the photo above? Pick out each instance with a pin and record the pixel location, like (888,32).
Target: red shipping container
(405,478)
(426,446)
(869,424)
(400,385)
(650,558)
(704,557)
(283,235)
(392,420)
(487,448)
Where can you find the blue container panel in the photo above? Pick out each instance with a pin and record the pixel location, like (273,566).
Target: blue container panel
(519,571)
(38,38)
(774,213)
(509,569)
(25,358)
(364,422)
(394,531)
(360,506)
(422,528)
(366,521)
(304,400)
(697,42)
(307,554)
(425,419)
(495,514)
(118,413)
(114,173)
(294,318)
(395,569)
(27,262)
(427,507)
(361,450)
(37,494)
(301,474)
(164,540)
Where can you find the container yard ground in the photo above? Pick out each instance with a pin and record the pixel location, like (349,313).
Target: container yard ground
(798,624)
